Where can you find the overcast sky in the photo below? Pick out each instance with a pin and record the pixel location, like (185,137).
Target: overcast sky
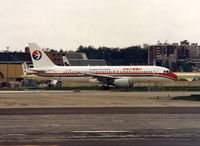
(67,24)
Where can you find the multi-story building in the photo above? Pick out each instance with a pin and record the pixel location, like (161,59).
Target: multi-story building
(162,53)
(183,52)
(56,57)
(194,51)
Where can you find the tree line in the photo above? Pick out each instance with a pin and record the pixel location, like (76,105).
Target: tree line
(134,55)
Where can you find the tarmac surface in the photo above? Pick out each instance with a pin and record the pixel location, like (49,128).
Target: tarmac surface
(41,99)
(98,118)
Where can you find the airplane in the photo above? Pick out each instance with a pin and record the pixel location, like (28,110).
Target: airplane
(119,76)
(65,61)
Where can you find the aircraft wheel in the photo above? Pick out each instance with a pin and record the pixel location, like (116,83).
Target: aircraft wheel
(105,87)
(59,84)
(102,87)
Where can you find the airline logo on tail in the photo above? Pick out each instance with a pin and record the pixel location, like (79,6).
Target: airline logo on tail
(37,55)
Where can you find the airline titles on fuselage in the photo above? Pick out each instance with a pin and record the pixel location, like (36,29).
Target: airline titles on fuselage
(129,69)
(105,70)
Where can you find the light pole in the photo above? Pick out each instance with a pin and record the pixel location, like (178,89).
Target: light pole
(7,64)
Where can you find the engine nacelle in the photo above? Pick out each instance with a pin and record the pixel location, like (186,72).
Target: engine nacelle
(193,79)
(123,83)
(93,81)
(55,83)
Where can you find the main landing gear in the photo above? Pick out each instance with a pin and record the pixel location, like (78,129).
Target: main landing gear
(105,87)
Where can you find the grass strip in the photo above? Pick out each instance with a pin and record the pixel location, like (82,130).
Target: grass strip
(189,98)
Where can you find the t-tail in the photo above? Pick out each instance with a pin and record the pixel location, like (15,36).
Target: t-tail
(39,58)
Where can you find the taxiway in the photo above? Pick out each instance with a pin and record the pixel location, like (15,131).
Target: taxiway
(98,118)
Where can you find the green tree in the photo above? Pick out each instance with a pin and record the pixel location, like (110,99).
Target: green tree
(174,66)
(166,64)
(134,55)
(187,67)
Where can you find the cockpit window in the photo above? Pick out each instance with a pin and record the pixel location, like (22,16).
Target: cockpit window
(166,71)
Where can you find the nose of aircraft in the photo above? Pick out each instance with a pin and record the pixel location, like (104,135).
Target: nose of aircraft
(174,76)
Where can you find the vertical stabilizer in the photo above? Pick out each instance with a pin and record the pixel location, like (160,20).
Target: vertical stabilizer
(39,58)
(65,61)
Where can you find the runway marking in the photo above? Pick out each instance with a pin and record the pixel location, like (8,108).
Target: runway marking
(170,128)
(70,91)
(42,139)
(71,98)
(15,134)
(59,125)
(100,131)
(47,95)
(38,145)
(44,94)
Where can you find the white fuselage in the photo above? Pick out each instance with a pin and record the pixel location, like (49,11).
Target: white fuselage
(133,73)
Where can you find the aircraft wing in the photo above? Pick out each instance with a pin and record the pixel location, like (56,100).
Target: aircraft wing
(106,79)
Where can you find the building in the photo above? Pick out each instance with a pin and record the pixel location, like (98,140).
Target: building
(77,56)
(89,62)
(14,56)
(183,52)
(10,71)
(80,59)
(11,68)
(10,65)
(56,57)
(194,51)
(162,53)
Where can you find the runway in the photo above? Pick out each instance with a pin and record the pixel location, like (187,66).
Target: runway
(100,110)
(94,126)
(108,121)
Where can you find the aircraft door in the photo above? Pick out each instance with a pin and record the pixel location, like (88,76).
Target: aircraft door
(155,70)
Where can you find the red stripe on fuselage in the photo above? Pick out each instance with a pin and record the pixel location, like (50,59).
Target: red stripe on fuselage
(170,75)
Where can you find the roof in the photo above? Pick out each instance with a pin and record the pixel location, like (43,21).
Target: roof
(76,56)
(89,62)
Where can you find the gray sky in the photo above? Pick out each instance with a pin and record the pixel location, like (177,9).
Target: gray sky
(68,24)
